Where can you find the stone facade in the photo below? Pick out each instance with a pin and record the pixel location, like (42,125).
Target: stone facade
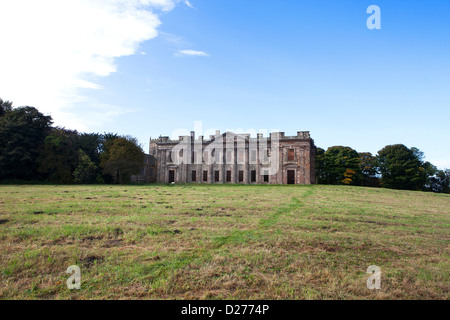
(241,160)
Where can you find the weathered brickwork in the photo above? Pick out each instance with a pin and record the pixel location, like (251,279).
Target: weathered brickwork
(242,161)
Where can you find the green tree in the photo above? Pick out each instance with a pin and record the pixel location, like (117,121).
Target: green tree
(368,168)
(443,181)
(91,144)
(86,170)
(121,158)
(437,180)
(340,166)
(5,107)
(22,134)
(429,172)
(58,158)
(401,168)
(320,174)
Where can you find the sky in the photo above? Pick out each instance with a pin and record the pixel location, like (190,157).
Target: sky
(147,68)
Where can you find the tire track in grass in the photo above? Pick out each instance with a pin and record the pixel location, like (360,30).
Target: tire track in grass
(247,235)
(293,205)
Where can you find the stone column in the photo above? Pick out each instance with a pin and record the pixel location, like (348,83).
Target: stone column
(307,165)
(282,177)
(234,171)
(164,167)
(247,163)
(301,166)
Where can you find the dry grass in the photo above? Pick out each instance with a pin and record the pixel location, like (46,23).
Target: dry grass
(222,242)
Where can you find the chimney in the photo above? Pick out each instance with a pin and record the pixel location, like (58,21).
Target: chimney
(303,134)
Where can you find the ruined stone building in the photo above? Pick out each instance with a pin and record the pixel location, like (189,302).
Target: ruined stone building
(235,158)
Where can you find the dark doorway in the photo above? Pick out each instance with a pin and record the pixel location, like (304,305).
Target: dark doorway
(216,176)
(171,176)
(205,176)
(194,176)
(253,176)
(241,176)
(291,177)
(228,176)
(266,178)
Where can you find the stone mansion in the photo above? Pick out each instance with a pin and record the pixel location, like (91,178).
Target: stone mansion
(233,158)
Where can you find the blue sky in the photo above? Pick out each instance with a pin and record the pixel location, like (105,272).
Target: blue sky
(248,65)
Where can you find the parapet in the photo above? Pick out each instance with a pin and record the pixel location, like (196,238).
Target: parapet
(281,136)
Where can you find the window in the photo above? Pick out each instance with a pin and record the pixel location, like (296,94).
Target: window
(229,176)
(194,175)
(205,175)
(253,176)
(241,176)
(291,155)
(216,175)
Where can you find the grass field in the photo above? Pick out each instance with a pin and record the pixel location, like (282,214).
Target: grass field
(223,242)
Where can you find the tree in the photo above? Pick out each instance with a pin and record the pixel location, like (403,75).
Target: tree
(401,168)
(349,175)
(368,169)
(91,144)
(58,158)
(437,180)
(86,170)
(340,166)
(5,107)
(319,165)
(22,134)
(121,158)
(429,172)
(443,177)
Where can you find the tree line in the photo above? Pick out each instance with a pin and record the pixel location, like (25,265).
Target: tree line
(395,167)
(31,149)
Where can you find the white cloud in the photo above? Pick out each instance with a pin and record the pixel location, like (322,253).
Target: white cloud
(173,39)
(186,2)
(182,53)
(51,48)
